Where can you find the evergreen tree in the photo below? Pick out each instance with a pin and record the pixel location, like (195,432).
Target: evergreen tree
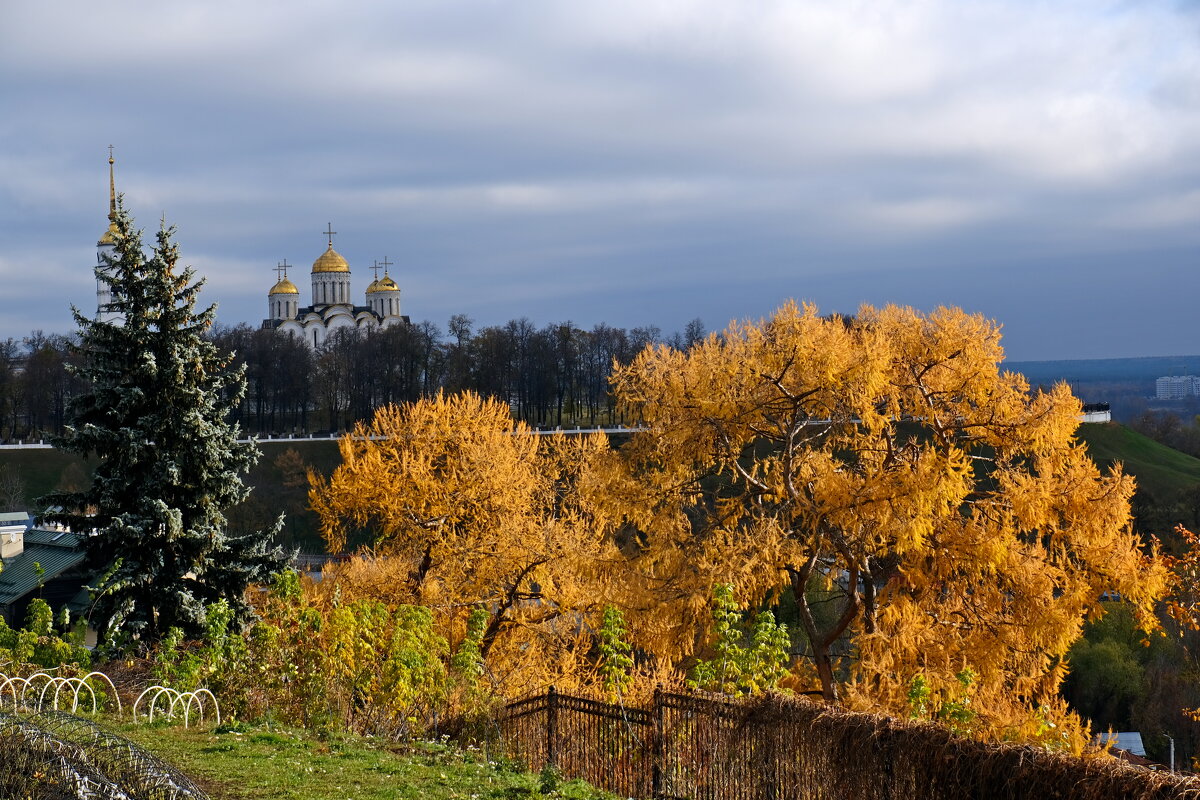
(155,418)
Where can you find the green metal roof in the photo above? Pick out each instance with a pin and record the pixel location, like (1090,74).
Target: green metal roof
(56,552)
(58,539)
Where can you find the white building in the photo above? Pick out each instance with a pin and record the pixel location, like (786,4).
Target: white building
(332,309)
(1175,387)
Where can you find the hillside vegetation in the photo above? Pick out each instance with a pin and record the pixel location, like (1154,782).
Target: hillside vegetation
(1156,467)
(280,484)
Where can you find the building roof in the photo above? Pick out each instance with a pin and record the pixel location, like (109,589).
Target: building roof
(284,287)
(330,261)
(1129,741)
(384,284)
(55,552)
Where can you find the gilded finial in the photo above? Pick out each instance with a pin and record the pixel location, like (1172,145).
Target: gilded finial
(329,231)
(375,269)
(385,264)
(281,270)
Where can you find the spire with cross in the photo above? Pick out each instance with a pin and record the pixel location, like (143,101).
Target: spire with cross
(281,270)
(112,187)
(385,264)
(375,269)
(330,232)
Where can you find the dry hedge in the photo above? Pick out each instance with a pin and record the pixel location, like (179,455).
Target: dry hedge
(702,746)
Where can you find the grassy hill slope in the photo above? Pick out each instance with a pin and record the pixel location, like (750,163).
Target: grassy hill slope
(1157,467)
(277,484)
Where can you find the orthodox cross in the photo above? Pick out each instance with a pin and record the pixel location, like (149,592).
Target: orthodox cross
(329,231)
(110,158)
(385,264)
(375,268)
(281,269)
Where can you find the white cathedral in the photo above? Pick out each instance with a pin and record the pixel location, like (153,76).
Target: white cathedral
(331,309)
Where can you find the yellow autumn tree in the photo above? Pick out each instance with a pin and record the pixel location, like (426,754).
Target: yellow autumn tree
(928,515)
(462,508)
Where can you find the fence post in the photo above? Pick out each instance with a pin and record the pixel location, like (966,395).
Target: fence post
(551,728)
(656,787)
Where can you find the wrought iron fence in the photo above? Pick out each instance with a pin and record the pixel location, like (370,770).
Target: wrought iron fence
(609,745)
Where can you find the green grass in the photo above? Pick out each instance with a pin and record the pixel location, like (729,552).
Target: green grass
(255,763)
(44,469)
(1157,467)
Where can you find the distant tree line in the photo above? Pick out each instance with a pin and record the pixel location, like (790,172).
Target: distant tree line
(549,376)
(35,385)
(1169,428)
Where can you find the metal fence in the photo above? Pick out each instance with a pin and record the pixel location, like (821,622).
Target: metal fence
(702,747)
(608,745)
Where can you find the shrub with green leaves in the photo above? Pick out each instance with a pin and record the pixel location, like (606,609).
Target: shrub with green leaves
(362,665)
(616,661)
(951,705)
(744,660)
(37,647)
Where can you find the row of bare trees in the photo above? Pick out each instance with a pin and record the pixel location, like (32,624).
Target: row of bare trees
(550,376)
(35,385)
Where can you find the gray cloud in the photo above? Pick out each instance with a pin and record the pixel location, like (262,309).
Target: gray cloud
(628,162)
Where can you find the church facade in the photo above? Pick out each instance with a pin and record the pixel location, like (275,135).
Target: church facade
(332,309)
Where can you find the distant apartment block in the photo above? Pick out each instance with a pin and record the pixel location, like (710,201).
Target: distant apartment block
(1176,386)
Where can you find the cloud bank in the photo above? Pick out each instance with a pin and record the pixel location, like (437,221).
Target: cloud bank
(626,162)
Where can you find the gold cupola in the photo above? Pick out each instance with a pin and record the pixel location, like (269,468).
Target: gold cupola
(284,287)
(384,284)
(330,261)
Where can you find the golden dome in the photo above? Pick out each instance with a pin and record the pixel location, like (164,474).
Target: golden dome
(330,261)
(384,284)
(284,287)
(109,235)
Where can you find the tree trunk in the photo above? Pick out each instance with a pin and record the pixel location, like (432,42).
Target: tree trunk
(821,641)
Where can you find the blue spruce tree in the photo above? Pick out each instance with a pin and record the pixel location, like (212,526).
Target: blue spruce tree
(155,418)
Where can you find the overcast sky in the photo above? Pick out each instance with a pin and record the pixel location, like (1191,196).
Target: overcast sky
(634,163)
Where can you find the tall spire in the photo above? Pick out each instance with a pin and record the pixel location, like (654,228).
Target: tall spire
(107,238)
(112,187)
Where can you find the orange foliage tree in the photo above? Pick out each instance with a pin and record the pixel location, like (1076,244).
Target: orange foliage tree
(927,513)
(1183,604)
(464,509)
